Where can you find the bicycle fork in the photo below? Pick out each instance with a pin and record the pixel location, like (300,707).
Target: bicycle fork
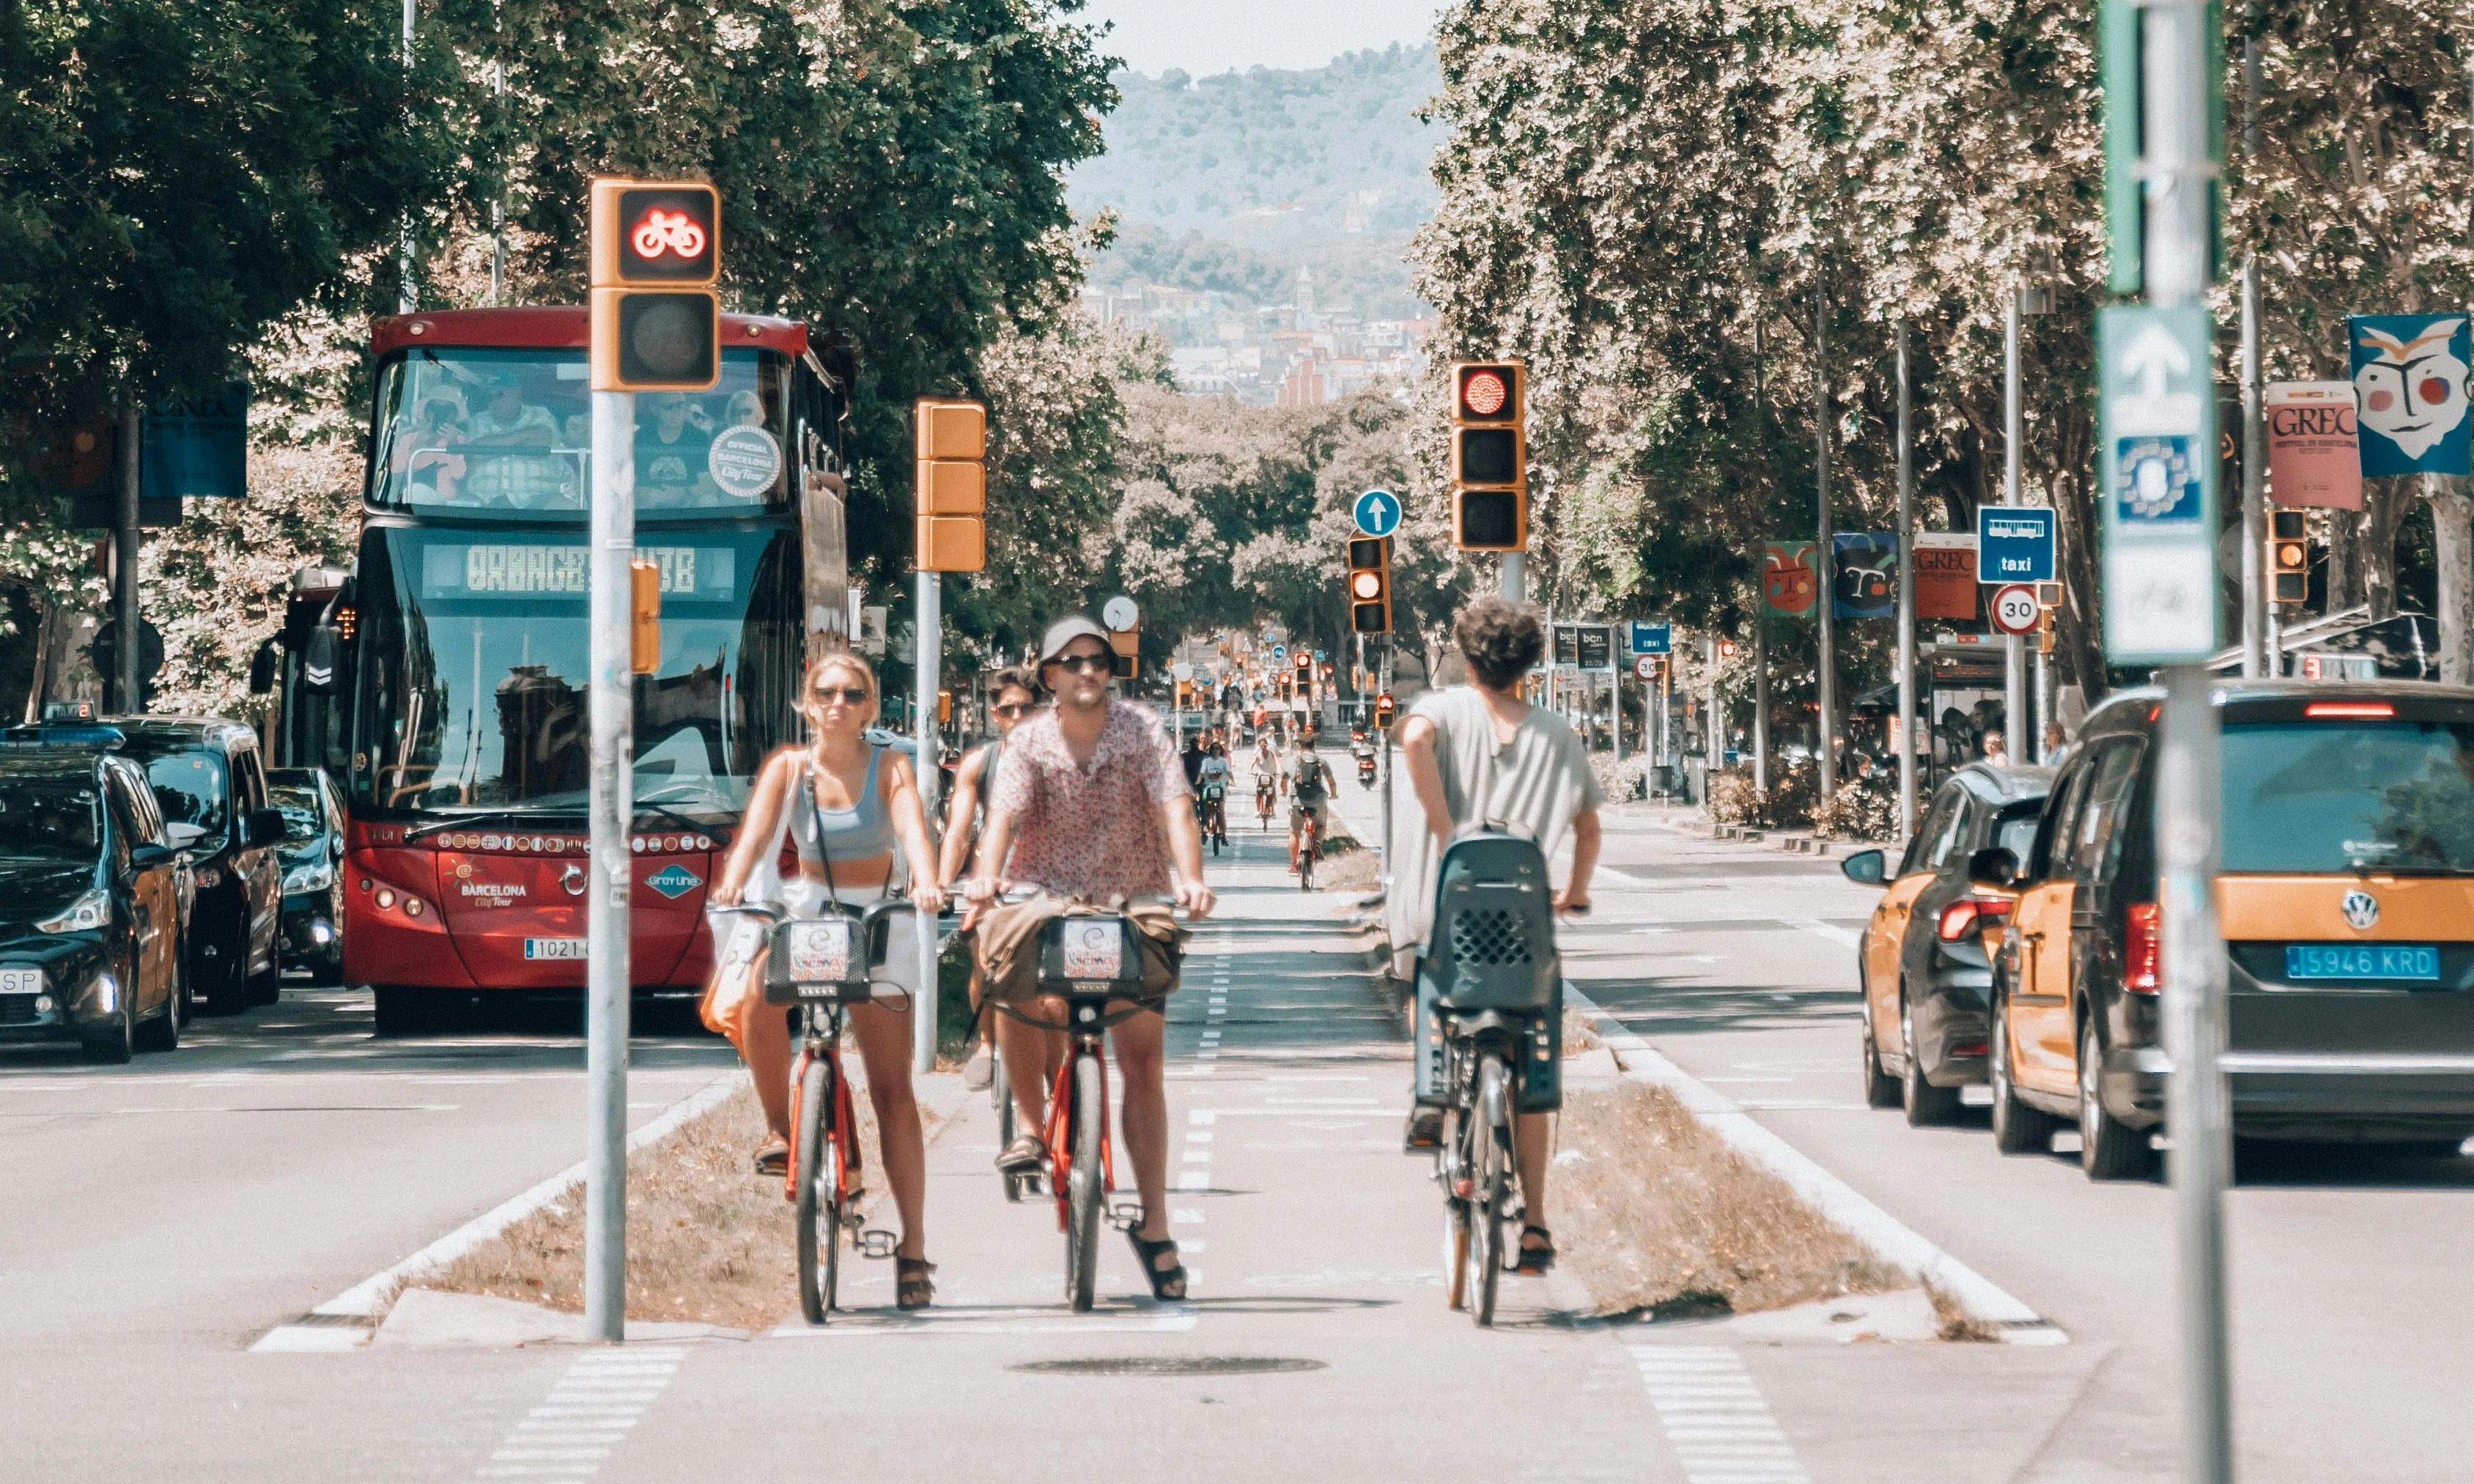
(1061,1129)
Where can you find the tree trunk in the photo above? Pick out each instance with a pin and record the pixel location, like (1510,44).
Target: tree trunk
(2452,528)
(2345,541)
(2383,508)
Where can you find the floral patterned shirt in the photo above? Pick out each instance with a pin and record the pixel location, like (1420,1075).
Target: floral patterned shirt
(1090,832)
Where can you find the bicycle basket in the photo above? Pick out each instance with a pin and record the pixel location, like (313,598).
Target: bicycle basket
(1094,953)
(816,961)
(1492,946)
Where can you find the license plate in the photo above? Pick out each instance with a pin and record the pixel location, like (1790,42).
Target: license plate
(2362,960)
(820,952)
(22,981)
(1093,950)
(553,948)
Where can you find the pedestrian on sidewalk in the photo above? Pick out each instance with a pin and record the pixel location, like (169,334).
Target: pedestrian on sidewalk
(1480,753)
(842,804)
(1091,806)
(1013,693)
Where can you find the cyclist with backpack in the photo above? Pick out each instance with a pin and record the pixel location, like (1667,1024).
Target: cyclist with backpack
(1479,753)
(1310,785)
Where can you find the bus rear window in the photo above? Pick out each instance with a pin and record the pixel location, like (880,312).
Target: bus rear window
(512,430)
(2334,795)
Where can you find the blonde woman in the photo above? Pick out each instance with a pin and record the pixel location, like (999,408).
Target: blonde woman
(862,800)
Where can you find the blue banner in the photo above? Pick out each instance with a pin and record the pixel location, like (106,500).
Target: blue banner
(2409,373)
(197,446)
(1865,574)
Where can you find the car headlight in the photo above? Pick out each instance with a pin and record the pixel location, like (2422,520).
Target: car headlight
(87,913)
(313,876)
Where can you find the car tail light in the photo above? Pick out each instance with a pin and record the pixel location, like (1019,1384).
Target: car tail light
(1970,914)
(2141,952)
(2364,711)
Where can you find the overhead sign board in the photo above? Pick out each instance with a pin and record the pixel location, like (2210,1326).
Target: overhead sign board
(2014,543)
(1378,513)
(2157,484)
(1652,637)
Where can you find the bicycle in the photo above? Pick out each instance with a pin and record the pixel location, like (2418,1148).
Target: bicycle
(1309,845)
(1475,1164)
(1264,800)
(1214,815)
(822,966)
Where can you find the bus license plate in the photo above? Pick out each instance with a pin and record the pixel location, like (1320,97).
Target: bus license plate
(22,981)
(553,948)
(2363,961)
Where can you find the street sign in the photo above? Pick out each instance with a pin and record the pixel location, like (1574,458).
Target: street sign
(2157,483)
(198,445)
(2014,543)
(1279,653)
(1584,645)
(1119,614)
(1180,671)
(1645,665)
(2015,609)
(1653,637)
(1378,513)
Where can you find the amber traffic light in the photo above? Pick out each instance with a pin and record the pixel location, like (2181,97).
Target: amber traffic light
(951,438)
(1369,584)
(644,613)
(2288,552)
(1385,708)
(1489,457)
(1127,646)
(656,251)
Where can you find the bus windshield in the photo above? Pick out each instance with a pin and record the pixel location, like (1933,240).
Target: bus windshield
(473,672)
(493,430)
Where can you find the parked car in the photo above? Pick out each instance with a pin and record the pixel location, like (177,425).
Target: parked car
(2347,861)
(1925,990)
(313,887)
(211,788)
(91,908)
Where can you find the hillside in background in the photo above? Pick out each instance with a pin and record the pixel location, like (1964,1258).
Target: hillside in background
(1229,184)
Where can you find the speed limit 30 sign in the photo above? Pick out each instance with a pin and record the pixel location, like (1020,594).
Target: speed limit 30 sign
(2015,610)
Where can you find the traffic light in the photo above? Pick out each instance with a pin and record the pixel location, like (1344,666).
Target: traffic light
(1384,710)
(1305,676)
(656,253)
(1186,695)
(1490,459)
(1128,645)
(945,708)
(952,485)
(1369,584)
(1726,649)
(645,611)
(2289,553)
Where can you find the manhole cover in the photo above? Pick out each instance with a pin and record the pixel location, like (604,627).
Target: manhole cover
(1171,1365)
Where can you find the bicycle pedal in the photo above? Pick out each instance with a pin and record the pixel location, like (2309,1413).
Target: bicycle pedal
(1126,1217)
(878,1245)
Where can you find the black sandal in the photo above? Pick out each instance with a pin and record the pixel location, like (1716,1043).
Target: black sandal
(1536,1260)
(1162,1280)
(773,1158)
(913,1284)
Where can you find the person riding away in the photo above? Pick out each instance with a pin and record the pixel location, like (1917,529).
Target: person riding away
(1091,805)
(1013,693)
(1310,785)
(1480,753)
(845,803)
(1211,783)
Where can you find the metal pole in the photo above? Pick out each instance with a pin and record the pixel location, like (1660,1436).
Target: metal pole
(406,300)
(1713,726)
(1907,599)
(1827,742)
(2254,486)
(1515,577)
(1760,701)
(607,973)
(2014,673)
(1383,858)
(931,627)
(129,621)
(2175,129)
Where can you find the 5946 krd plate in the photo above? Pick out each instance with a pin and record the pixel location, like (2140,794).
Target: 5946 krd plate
(2363,961)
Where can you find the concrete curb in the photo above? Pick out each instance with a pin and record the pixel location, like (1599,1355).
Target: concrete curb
(1876,1228)
(346,1321)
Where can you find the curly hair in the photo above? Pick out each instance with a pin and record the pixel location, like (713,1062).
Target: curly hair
(1501,641)
(1021,678)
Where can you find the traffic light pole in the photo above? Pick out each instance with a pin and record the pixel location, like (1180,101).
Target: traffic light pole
(930,626)
(1515,577)
(1825,557)
(1907,730)
(2014,673)
(612,797)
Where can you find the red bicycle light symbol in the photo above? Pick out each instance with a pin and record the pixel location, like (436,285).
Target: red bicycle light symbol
(668,232)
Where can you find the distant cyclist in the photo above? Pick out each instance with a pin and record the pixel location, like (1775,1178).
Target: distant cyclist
(1211,784)
(1013,693)
(1310,785)
(1479,753)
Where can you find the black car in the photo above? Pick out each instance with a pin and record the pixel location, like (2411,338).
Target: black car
(91,908)
(211,788)
(313,887)
(1923,965)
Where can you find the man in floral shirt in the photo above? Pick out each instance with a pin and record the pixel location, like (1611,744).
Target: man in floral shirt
(1092,803)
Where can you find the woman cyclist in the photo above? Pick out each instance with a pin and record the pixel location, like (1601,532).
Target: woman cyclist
(1211,782)
(1267,779)
(844,804)
(1012,694)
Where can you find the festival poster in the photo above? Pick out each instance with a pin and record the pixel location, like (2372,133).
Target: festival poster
(1946,575)
(2408,373)
(1791,581)
(1865,574)
(2313,456)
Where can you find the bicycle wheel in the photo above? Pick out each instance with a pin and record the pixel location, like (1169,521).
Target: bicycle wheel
(1490,1151)
(1084,1195)
(1001,1088)
(1307,849)
(820,1193)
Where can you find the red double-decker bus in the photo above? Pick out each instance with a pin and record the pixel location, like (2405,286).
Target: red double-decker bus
(446,677)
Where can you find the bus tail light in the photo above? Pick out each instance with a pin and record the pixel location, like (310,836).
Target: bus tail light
(1973,913)
(2141,951)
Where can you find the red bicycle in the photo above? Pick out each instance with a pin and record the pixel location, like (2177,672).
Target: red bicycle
(1087,961)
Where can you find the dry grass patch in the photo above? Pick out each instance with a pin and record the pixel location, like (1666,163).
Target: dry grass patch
(1348,869)
(1658,1216)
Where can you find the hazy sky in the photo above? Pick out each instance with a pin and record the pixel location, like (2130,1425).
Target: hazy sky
(1213,35)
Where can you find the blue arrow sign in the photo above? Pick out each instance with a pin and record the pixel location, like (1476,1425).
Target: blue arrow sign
(1280,652)
(2014,543)
(1653,637)
(1378,513)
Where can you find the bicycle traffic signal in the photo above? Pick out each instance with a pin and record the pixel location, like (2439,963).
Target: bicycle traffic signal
(656,252)
(1305,677)
(1127,646)
(1385,708)
(1369,584)
(2289,556)
(952,485)
(1489,457)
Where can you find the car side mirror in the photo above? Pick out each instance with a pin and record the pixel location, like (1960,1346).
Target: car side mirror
(147,856)
(318,662)
(266,827)
(1993,866)
(1866,868)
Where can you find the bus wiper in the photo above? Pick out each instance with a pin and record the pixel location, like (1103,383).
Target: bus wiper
(435,826)
(642,806)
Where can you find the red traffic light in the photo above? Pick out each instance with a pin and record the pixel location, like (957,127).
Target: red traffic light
(655,232)
(1485,392)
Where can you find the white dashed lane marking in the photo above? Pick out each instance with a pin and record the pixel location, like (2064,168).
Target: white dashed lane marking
(586,1416)
(1715,1419)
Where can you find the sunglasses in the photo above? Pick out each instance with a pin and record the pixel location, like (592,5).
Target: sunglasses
(1081,663)
(847,694)
(1014,710)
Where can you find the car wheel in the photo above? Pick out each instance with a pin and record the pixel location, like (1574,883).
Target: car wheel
(404,1010)
(2017,1128)
(2109,1149)
(226,980)
(184,993)
(117,1042)
(266,988)
(163,1031)
(1881,1090)
(1926,1105)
